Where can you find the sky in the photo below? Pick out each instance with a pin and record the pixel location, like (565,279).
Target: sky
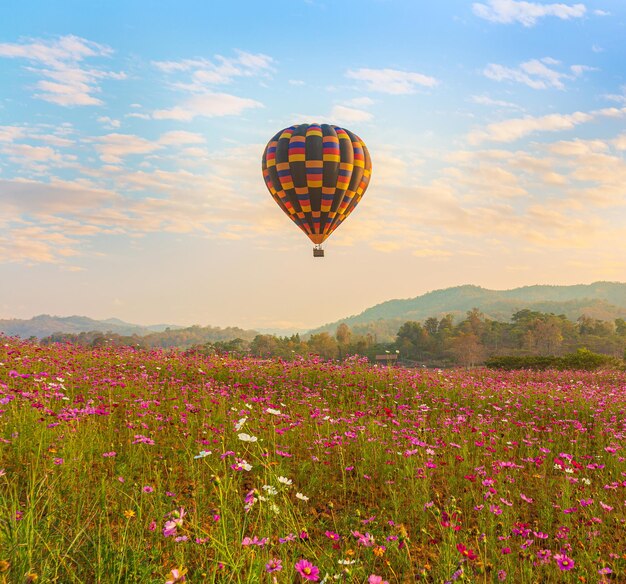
(131,136)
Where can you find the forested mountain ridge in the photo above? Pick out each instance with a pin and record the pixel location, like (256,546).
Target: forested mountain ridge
(600,300)
(45,324)
(85,330)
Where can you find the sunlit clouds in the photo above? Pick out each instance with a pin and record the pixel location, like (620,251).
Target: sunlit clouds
(64,81)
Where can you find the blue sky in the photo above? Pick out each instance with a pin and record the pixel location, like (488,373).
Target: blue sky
(131,135)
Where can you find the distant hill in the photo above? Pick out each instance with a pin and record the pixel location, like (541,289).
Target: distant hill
(601,300)
(45,325)
(68,328)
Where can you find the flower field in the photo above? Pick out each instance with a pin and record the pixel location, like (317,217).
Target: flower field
(120,465)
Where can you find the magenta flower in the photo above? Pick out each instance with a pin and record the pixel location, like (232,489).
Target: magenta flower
(466,552)
(148,489)
(564,562)
(307,570)
(254,541)
(373,579)
(605,571)
(274,565)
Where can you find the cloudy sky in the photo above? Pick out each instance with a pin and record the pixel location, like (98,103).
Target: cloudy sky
(131,134)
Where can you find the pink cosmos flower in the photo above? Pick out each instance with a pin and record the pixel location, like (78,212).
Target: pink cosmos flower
(176,575)
(274,565)
(564,562)
(254,541)
(373,579)
(307,570)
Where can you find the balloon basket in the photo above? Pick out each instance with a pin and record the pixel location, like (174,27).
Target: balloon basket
(318,252)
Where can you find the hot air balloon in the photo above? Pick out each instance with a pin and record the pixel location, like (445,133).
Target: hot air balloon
(317,173)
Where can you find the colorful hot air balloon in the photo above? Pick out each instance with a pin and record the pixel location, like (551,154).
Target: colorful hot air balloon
(317,174)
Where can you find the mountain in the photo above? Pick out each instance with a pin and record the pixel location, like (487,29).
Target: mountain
(601,300)
(45,325)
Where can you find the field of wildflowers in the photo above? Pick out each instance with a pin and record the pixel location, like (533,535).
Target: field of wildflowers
(120,465)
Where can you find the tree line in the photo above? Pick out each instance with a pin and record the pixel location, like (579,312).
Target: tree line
(434,342)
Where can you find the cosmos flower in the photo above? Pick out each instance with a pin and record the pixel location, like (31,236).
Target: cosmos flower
(564,562)
(176,575)
(274,565)
(466,552)
(307,570)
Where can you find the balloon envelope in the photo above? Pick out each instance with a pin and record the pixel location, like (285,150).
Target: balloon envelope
(317,173)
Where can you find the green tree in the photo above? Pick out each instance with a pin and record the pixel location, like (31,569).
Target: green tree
(467,349)
(343,334)
(324,345)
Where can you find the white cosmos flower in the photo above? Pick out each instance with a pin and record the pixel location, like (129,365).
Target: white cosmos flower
(273,412)
(302,497)
(285,480)
(246,437)
(240,424)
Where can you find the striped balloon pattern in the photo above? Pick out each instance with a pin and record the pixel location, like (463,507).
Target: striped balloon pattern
(317,173)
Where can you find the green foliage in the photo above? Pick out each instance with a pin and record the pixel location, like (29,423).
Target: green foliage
(582,359)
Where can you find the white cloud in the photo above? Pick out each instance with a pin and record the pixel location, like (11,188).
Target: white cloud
(207,105)
(138,116)
(617,97)
(360,102)
(392,81)
(526,13)
(205,73)
(180,137)
(113,147)
(27,152)
(516,128)
(48,199)
(65,81)
(343,114)
(578,70)
(620,142)
(488,101)
(109,123)
(11,133)
(535,73)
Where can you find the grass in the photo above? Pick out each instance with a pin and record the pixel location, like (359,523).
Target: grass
(121,465)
